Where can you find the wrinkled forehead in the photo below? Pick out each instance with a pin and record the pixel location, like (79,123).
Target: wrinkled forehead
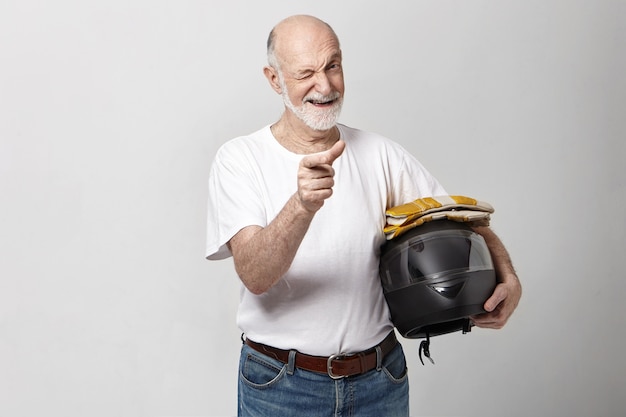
(307,48)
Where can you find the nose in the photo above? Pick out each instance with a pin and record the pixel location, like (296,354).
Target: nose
(322,83)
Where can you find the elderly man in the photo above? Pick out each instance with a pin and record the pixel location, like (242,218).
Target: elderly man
(300,205)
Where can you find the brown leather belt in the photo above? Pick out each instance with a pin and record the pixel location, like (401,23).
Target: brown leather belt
(336,366)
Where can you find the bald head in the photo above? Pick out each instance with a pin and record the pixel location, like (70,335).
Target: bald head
(298,28)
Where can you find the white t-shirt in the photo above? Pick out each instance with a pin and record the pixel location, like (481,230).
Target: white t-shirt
(330,300)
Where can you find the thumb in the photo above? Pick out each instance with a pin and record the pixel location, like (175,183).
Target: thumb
(335,151)
(499,295)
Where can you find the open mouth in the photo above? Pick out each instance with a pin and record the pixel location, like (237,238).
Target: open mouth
(320,101)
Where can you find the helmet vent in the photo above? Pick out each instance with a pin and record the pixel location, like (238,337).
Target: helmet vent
(448,291)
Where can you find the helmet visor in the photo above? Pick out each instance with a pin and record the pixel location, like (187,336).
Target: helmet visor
(433,255)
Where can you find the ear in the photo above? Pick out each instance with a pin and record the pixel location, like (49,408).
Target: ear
(272,76)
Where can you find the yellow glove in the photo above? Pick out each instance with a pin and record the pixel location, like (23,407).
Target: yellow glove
(451,207)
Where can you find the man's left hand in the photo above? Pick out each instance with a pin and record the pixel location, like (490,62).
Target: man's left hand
(500,305)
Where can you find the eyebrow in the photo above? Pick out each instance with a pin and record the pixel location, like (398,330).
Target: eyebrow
(333,58)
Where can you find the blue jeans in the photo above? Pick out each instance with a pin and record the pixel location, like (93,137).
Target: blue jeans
(270,388)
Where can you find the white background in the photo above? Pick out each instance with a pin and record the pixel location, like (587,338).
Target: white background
(111,112)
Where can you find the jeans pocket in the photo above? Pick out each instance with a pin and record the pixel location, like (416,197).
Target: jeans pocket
(260,373)
(394,365)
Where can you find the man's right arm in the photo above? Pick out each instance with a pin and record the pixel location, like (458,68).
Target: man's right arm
(262,255)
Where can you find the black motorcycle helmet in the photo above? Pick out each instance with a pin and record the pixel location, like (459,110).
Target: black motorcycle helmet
(434,277)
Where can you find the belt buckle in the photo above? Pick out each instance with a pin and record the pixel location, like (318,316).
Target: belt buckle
(329,365)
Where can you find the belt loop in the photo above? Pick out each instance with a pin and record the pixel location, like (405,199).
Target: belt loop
(379,358)
(291,365)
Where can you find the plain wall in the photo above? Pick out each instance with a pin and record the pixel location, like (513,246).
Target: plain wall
(110,115)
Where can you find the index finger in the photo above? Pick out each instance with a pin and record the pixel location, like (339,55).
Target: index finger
(326,157)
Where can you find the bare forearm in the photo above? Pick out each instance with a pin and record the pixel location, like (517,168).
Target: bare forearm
(501,259)
(508,291)
(263,255)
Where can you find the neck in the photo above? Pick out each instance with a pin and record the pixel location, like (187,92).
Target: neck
(297,137)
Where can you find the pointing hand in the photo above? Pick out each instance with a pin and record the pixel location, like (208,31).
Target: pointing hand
(315,177)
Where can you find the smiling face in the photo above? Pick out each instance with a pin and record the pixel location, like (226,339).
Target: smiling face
(307,71)
(319,112)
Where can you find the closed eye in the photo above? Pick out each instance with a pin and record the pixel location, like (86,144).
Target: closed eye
(304,75)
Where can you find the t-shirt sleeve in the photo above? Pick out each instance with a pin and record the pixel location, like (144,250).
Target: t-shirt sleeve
(233,201)
(413,181)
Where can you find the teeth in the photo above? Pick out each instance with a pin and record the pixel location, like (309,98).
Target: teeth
(319,102)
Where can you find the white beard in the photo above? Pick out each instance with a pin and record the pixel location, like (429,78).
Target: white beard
(316,119)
